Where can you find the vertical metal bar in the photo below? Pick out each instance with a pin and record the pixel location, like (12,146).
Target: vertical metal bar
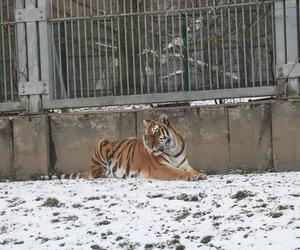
(273,40)
(208,46)
(146,48)
(279,33)
(251,45)
(244,47)
(202,51)
(174,44)
(223,48)
(67,52)
(237,45)
(3,55)
(120,57)
(21,45)
(291,23)
(140,50)
(181,49)
(33,58)
(195,51)
(73,50)
(54,51)
(188,50)
(59,51)
(160,51)
(266,46)
(86,52)
(46,51)
(230,48)
(216,48)
(10,54)
(126,50)
(153,48)
(133,49)
(79,51)
(258,43)
(113,49)
(185,52)
(93,49)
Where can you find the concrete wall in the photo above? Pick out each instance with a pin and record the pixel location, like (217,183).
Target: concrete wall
(286,135)
(74,136)
(31,146)
(5,148)
(220,138)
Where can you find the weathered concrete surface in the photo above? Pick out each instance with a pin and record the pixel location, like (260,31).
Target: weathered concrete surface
(31,145)
(5,148)
(250,145)
(205,131)
(286,135)
(222,138)
(74,136)
(252,136)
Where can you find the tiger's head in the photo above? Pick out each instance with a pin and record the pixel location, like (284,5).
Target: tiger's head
(161,137)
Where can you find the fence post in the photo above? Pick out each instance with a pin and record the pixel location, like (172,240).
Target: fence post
(287,47)
(21,49)
(34,52)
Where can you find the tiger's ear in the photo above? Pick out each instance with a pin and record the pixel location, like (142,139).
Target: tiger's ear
(146,122)
(163,118)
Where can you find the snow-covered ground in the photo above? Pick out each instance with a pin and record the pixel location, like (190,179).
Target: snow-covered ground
(257,211)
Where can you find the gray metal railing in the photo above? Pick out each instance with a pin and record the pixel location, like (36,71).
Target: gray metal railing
(104,48)
(76,53)
(8,58)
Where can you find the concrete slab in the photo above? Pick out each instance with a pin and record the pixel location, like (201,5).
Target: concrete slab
(286,135)
(74,136)
(5,148)
(250,137)
(31,145)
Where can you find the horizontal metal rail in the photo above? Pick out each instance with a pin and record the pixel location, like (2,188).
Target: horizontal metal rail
(158,12)
(159,98)
(13,106)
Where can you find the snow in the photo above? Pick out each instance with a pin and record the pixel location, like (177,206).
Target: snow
(139,213)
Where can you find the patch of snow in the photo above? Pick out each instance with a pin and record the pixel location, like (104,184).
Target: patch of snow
(256,211)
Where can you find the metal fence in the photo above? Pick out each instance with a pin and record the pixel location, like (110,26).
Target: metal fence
(105,48)
(8,62)
(103,52)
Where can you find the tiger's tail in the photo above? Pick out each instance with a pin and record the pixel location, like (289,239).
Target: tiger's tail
(99,162)
(98,168)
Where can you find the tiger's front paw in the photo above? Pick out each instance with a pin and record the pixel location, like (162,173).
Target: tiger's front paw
(197,176)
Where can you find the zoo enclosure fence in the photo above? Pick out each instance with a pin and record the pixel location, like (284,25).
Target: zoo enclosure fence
(79,53)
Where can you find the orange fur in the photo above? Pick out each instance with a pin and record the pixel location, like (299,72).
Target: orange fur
(160,155)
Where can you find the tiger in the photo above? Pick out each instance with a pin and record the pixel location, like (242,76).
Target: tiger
(161,154)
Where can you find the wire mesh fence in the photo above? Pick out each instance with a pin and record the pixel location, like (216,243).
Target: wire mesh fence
(111,48)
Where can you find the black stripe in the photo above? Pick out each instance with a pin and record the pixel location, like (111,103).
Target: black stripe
(104,143)
(168,134)
(118,146)
(164,158)
(184,159)
(182,149)
(128,168)
(114,168)
(129,149)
